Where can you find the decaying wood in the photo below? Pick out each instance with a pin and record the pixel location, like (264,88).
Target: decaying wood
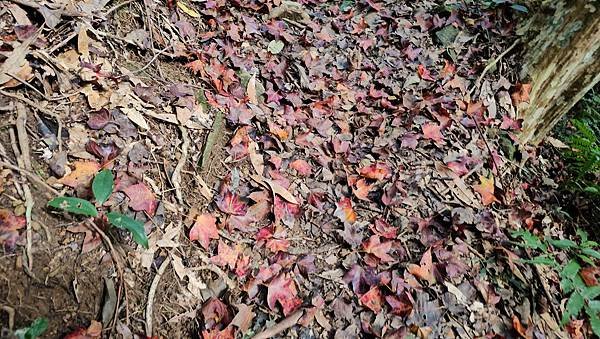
(562,62)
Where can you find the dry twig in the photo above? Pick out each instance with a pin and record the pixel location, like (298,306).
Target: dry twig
(151,293)
(281,326)
(176,177)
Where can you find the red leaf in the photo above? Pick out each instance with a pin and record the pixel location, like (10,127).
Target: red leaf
(216,334)
(522,94)
(344,210)
(276,245)
(384,229)
(92,332)
(204,229)
(424,73)
(196,66)
(231,203)
(302,167)
(9,228)
(432,131)
(377,171)
(378,249)
(283,290)
(226,256)
(216,314)
(590,275)
(486,190)
(372,299)
(141,198)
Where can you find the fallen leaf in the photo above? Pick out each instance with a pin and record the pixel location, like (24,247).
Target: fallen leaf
(373,299)
(227,333)
(82,175)
(432,131)
(231,203)
(204,229)
(94,331)
(141,198)
(9,228)
(362,190)
(275,46)
(187,10)
(379,249)
(226,255)
(243,319)
(377,171)
(486,190)
(251,90)
(302,167)
(424,271)
(216,314)
(344,210)
(282,290)
(590,275)
(276,189)
(256,159)
(91,240)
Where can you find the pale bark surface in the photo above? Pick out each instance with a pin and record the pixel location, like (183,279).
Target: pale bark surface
(562,62)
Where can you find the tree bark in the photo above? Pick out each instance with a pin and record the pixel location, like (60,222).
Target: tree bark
(562,63)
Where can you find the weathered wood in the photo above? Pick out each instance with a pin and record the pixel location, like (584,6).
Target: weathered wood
(562,62)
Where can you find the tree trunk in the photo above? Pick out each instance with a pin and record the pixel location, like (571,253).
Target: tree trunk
(562,62)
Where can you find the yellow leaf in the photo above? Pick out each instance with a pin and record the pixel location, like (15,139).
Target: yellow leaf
(189,11)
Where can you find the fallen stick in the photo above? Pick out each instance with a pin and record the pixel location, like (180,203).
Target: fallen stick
(176,177)
(151,293)
(281,326)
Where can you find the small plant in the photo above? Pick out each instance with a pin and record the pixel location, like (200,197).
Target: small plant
(102,187)
(583,158)
(36,329)
(583,293)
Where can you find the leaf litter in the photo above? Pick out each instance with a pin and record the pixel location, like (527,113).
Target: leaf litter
(335,165)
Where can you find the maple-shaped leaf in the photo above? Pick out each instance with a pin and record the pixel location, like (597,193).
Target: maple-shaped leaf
(377,171)
(243,319)
(590,275)
(10,225)
(344,210)
(401,306)
(302,167)
(226,255)
(384,229)
(242,266)
(282,290)
(379,249)
(196,66)
(141,198)
(82,175)
(277,245)
(231,203)
(486,190)
(373,299)
(432,131)
(216,314)
(204,229)
(424,271)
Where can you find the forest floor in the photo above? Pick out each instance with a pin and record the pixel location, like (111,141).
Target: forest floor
(302,169)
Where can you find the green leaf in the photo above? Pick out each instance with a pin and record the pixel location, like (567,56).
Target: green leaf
(594,305)
(346,5)
(570,270)
(586,259)
(519,8)
(566,285)
(543,259)
(103,186)
(594,320)
(135,227)
(591,292)
(573,307)
(562,243)
(74,205)
(275,46)
(591,252)
(583,235)
(529,240)
(38,326)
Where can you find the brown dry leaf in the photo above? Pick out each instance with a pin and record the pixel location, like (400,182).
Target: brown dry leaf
(16,64)
(69,60)
(83,41)
(424,271)
(96,99)
(486,189)
(256,159)
(276,188)
(19,14)
(243,319)
(82,174)
(251,90)
(136,117)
